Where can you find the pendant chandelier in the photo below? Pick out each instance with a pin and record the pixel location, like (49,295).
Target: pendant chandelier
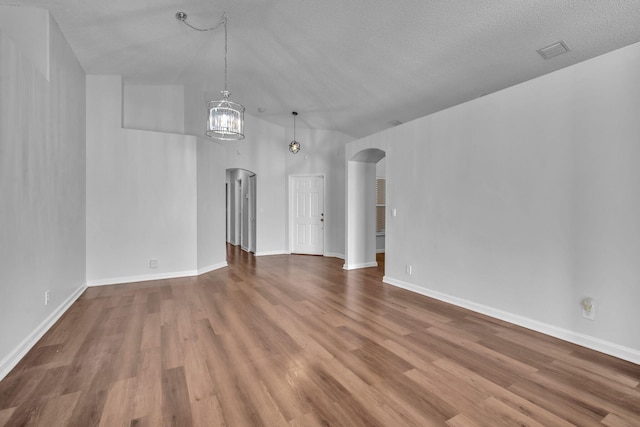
(294,146)
(225,118)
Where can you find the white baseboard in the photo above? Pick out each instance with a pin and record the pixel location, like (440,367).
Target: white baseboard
(142,278)
(12,359)
(212,267)
(379,251)
(583,340)
(334,255)
(270,253)
(356,266)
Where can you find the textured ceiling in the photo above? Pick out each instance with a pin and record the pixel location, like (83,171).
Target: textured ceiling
(352,66)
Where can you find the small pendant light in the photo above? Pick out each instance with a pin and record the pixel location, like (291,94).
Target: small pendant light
(294,146)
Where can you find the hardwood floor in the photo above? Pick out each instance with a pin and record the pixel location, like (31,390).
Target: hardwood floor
(297,341)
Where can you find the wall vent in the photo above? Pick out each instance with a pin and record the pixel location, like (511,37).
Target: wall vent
(553,50)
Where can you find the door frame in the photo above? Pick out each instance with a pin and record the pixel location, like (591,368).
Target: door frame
(292,203)
(238,213)
(251,211)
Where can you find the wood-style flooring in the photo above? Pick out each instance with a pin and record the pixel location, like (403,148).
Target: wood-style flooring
(297,341)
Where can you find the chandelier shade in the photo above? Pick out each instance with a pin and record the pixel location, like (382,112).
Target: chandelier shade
(226,119)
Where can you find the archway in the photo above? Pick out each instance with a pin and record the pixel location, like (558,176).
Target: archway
(361,209)
(241,208)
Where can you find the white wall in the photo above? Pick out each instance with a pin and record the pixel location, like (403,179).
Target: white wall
(361,229)
(261,152)
(154,107)
(265,151)
(29,29)
(212,251)
(42,186)
(523,202)
(322,153)
(381,168)
(141,194)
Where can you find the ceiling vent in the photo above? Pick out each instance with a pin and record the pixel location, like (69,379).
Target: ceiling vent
(395,122)
(553,50)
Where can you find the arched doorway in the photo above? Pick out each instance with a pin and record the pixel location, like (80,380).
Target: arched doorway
(361,209)
(241,208)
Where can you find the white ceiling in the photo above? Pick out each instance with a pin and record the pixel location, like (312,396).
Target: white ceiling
(348,65)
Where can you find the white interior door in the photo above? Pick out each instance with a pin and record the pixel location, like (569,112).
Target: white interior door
(307,216)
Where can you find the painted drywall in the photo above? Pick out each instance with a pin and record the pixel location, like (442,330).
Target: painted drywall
(323,154)
(260,153)
(42,186)
(525,201)
(230,210)
(28,28)
(361,221)
(264,152)
(141,194)
(381,168)
(212,252)
(154,107)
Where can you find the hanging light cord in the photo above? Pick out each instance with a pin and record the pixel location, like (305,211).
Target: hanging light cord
(182,17)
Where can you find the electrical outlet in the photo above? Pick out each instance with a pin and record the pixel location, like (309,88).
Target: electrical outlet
(153,263)
(47,297)
(588,309)
(408,269)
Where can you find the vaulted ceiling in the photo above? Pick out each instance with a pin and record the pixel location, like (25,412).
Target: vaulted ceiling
(353,66)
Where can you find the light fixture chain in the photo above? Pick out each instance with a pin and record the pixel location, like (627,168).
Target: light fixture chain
(226,118)
(183,18)
(224,19)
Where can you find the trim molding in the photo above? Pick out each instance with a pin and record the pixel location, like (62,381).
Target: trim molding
(212,267)
(12,359)
(583,340)
(334,255)
(270,253)
(141,278)
(357,266)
